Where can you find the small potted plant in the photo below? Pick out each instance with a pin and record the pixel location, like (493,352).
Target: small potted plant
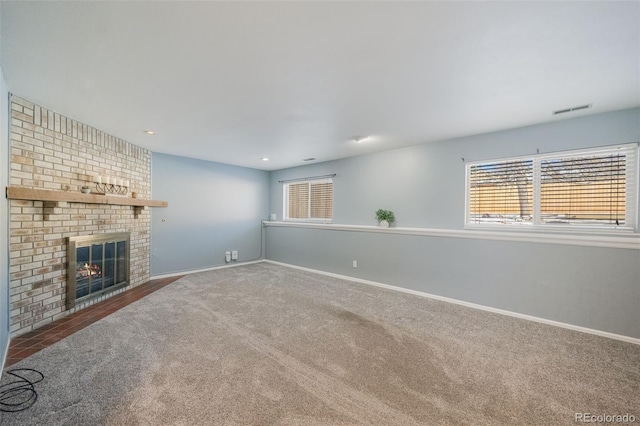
(385,217)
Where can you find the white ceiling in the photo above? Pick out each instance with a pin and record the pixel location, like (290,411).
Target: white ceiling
(236,81)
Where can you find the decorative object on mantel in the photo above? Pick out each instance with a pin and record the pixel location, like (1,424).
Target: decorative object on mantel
(385,217)
(85,190)
(111,185)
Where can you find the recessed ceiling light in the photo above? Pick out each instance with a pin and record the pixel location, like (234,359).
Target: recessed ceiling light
(264,159)
(149,132)
(360,139)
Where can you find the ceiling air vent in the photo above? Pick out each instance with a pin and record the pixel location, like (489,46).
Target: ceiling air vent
(309,159)
(575,108)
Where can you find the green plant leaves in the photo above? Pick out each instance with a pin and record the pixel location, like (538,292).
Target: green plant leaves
(385,215)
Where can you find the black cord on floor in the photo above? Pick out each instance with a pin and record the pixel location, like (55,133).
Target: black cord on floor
(20,394)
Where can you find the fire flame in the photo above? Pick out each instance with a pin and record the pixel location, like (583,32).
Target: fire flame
(89,270)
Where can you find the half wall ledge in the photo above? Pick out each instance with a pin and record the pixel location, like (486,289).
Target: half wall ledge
(622,241)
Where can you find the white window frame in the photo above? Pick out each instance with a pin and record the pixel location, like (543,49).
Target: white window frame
(285,198)
(632,190)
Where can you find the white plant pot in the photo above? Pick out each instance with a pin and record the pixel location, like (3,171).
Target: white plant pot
(384,224)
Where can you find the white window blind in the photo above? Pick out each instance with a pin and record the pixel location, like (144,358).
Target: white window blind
(309,200)
(501,192)
(321,200)
(298,197)
(590,188)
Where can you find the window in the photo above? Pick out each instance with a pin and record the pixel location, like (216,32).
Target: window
(309,200)
(588,188)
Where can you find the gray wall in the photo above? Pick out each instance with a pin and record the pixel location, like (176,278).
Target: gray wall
(4,222)
(424,185)
(213,208)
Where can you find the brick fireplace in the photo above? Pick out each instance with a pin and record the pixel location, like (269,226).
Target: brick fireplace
(52,152)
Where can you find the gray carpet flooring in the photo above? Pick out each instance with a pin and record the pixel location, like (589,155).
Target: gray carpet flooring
(267,345)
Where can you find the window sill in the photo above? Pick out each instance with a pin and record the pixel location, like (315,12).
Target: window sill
(320,221)
(618,240)
(552,229)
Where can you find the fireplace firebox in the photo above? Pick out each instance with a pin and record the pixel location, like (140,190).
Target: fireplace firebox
(97,264)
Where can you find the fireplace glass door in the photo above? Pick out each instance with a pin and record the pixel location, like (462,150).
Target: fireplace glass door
(97,264)
(99,267)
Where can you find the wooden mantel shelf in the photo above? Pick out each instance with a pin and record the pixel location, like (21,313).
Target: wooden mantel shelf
(18,193)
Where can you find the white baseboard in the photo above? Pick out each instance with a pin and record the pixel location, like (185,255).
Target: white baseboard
(213,268)
(623,338)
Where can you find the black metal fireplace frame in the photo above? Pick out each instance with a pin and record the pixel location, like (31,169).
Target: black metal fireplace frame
(87,241)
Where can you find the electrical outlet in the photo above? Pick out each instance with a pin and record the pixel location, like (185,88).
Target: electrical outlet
(234,255)
(227,256)
(355,263)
